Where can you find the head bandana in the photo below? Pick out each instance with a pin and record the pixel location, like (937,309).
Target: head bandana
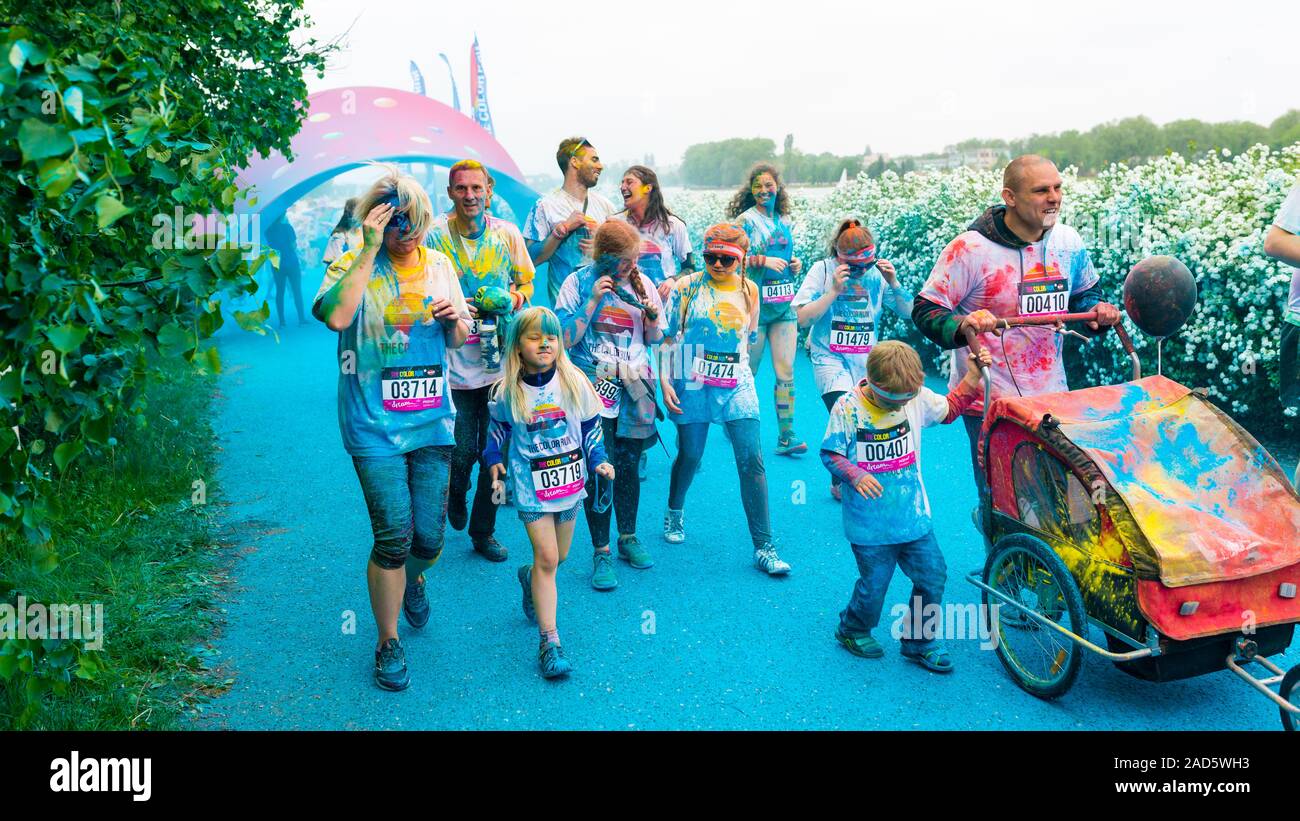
(726,239)
(890,395)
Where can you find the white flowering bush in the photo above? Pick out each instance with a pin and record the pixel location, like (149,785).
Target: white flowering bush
(1212,213)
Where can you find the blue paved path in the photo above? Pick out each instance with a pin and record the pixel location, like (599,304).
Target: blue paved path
(731,648)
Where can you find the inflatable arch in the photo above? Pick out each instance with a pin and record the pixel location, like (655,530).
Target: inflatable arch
(348,127)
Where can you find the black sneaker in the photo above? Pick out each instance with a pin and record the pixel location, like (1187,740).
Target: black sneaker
(390,666)
(457,513)
(491,549)
(415,604)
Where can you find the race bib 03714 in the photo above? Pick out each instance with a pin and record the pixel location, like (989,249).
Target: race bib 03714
(412,387)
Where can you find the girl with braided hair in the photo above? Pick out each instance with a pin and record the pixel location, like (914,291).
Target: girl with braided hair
(611,314)
(706,381)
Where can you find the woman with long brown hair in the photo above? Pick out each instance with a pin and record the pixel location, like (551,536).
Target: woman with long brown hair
(666,252)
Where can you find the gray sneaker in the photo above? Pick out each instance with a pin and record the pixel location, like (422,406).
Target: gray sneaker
(675,526)
(765,559)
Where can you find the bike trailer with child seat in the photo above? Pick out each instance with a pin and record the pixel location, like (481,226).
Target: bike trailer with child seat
(1145,511)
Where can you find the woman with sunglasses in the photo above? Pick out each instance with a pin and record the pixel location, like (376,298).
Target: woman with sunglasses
(842,298)
(706,380)
(397,307)
(761,208)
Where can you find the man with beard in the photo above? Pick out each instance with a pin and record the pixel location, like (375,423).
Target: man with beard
(560,226)
(1014,260)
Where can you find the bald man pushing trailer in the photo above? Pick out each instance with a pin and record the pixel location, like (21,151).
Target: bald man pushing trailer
(1014,260)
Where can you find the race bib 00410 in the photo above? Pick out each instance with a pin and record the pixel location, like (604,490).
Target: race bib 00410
(1039,297)
(716,368)
(558,476)
(411,387)
(883,451)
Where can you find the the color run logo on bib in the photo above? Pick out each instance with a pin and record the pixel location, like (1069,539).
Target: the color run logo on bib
(852,337)
(411,387)
(1044,296)
(717,368)
(555,477)
(883,451)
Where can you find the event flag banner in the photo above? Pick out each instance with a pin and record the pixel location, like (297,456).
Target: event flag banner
(451,77)
(478,90)
(417,80)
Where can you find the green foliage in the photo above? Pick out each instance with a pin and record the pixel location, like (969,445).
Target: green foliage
(114,115)
(724,164)
(135,542)
(112,118)
(1137,139)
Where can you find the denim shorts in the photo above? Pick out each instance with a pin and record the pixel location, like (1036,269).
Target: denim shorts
(528,517)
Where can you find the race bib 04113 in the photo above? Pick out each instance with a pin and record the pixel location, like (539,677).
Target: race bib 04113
(883,451)
(411,387)
(780,289)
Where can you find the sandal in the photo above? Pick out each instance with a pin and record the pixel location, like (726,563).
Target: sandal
(936,660)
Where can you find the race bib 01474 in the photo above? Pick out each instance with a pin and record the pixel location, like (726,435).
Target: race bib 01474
(717,368)
(883,451)
(411,387)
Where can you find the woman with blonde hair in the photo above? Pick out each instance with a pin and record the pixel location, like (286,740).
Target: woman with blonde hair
(397,307)
(611,316)
(546,426)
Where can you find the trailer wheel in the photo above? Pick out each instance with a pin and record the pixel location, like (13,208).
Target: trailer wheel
(1290,691)
(1042,661)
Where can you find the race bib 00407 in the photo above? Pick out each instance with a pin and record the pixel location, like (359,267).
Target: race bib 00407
(558,476)
(1040,297)
(411,387)
(716,368)
(883,451)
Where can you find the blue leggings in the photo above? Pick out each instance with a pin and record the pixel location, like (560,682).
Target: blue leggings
(743,434)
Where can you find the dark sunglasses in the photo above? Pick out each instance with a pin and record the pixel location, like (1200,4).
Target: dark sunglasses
(725,260)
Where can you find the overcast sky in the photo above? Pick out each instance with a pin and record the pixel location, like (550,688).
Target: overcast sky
(654,77)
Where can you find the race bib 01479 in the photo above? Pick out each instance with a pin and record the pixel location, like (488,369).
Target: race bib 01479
(883,451)
(852,337)
(411,387)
